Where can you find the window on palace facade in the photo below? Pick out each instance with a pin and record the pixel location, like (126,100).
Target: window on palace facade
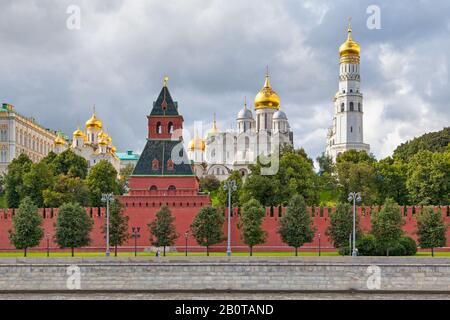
(155,164)
(172,188)
(170,127)
(359,106)
(351,106)
(153,188)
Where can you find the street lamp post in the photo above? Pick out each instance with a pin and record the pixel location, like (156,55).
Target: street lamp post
(319,245)
(135,234)
(186,235)
(355,197)
(48,244)
(229,185)
(107,197)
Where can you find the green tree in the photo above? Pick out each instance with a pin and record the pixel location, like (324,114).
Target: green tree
(251,222)
(391,180)
(432,141)
(69,163)
(207,227)
(222,194)
(387,225)
(14,179)
(124,175)
(102,178)
(209,183)
(162,229)
(428,178)
(118,225)
(27,231)
(341,226)
(37,179)
(296,226)
(431,229)
(73,226)
(356,172)
(66,189)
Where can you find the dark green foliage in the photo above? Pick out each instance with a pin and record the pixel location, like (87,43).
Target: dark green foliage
(73,226)
(428,178)
(27,231)
(66,189)
(341,225)
(251,222)
(209,183)
(391,180)
(367,245)
(102,178)
(118,225)
(387,226)
(14,179)
(68,163)
(431,229)
(37,179)
(409,244)
(207,227)
(295,227)
(432,141)
(162,229)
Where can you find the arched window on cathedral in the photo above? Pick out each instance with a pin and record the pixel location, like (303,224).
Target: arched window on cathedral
(158,128)
(351,106)
(342,107)
(170,127)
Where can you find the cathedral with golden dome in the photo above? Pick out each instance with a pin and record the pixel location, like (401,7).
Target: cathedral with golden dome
(256,134)
(94,144)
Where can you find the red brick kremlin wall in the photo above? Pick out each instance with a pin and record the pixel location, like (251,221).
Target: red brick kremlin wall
(141,214)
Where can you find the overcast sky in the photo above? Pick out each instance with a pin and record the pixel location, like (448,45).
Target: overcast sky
(215,53)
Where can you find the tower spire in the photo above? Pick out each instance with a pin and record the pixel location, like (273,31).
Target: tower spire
(267,82)
(165,81)
(349,29)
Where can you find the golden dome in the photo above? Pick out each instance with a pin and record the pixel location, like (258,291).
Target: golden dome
(197,144)
(102,135)
(267,98)
(59,140)
(94,123)
(103,142)
(113,149)
(214,131)
(349,47)
(78,133)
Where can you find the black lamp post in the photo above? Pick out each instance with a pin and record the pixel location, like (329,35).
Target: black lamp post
(48,244)
(319,245)
(135,234)
(186,235)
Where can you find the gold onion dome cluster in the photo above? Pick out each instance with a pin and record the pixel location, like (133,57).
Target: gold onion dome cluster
(267,97)
(197,144)
(78,133)
(94,122)
(59,140)
(349,47)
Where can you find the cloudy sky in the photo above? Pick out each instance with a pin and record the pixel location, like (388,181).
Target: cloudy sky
(215,53)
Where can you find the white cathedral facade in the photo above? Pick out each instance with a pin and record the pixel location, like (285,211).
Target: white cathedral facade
(259,134)
(346,131)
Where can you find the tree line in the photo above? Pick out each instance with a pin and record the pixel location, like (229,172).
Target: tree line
(416,174)
(73,227)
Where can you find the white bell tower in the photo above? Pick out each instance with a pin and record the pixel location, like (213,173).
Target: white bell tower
(346,132)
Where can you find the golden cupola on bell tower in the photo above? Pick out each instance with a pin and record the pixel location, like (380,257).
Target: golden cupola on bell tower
(350,50)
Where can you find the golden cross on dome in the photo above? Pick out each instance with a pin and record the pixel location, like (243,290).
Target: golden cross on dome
(349,30)
(166,79)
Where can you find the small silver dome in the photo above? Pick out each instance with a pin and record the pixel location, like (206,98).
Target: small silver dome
(245,114)
(279,115)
